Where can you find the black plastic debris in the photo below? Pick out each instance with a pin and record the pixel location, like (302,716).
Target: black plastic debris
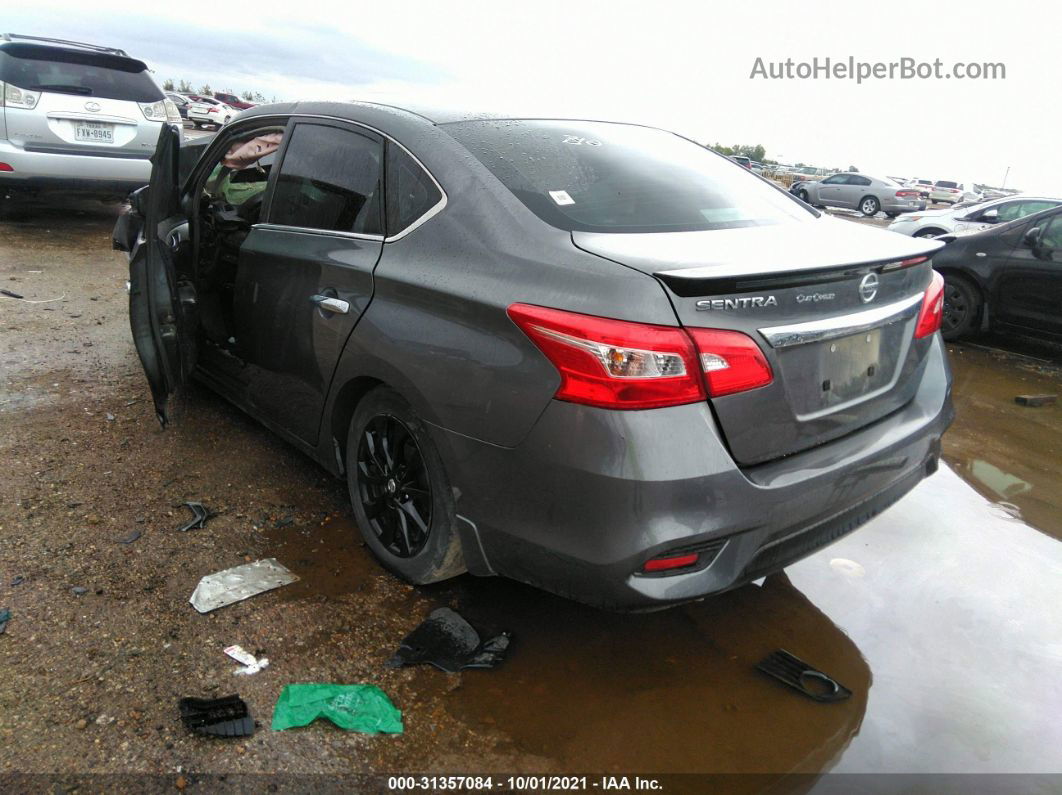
(1035,401)
(219,717)
(130,537)
(18,579)
(450,643)
(5,616)
(796,673)
(10,294)
(199,517)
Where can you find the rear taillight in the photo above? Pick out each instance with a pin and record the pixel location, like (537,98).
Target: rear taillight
(932,312)
(617,364)
(731,361)
(6,167)
(670,563)
(613,364)
(900,194)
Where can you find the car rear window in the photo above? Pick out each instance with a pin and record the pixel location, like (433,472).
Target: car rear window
(604,177)
(86,74)
(945,184)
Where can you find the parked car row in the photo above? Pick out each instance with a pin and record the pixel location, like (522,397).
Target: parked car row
(216,111)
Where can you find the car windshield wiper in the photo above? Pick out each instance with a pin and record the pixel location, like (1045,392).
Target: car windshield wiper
(64,89)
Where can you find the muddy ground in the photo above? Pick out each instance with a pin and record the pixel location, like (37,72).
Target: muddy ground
(940,615)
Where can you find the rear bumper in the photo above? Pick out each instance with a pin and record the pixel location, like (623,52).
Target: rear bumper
(590,495)
(903,207)
(88,173)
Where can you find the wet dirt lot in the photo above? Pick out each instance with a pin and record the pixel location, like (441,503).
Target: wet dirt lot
(941,616)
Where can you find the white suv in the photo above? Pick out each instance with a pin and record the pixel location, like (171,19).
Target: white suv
(75,117)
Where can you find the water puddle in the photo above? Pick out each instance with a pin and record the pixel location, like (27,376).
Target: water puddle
(1008,453)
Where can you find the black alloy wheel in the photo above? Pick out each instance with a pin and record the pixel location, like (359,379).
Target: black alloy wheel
(394,486)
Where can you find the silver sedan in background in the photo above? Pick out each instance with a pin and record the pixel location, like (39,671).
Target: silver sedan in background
(853,191)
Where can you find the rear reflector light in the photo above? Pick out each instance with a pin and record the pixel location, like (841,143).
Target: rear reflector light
(731,361)
(613,364)
(6,167)
(932,312)
(617,364)
(673,562)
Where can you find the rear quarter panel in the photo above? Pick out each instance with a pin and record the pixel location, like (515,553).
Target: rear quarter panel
(437,328)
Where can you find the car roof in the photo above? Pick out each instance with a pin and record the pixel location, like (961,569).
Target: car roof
(392,118)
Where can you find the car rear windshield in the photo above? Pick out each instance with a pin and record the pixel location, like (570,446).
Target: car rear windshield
(946,184)
(86,74)
(604,177)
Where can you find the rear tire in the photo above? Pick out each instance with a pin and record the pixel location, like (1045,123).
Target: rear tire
(802,195)
(198,125)
(892,215)
(928,232)
(869,206)
(962,308)
(401,495)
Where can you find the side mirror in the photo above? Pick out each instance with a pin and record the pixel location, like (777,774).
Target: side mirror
(138,201)
(1032,237)
(989,216)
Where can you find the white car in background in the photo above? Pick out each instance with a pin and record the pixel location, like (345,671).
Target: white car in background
(205,110)
(971,217)
(923,186)
(949,192)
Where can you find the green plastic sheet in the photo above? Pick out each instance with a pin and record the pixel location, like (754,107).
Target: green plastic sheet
(360,708)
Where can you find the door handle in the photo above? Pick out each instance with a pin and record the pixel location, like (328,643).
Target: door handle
(329,304)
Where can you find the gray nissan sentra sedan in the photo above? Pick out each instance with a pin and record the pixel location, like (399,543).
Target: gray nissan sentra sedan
(594,357)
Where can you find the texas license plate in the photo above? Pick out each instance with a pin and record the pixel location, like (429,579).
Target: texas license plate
(94,132)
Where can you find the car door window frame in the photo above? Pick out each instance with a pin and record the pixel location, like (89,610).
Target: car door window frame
(288,122)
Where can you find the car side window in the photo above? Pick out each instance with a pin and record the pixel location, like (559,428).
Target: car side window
(836,179)
(1010,211)
(855,180)
(330,179)
(240,178)
(1051,237)
(1028,208)
(410,191)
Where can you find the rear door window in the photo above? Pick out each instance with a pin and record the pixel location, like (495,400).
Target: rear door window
(411,192)
(331,180)
(88,74)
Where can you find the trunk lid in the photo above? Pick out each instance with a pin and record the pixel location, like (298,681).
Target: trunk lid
(832,304)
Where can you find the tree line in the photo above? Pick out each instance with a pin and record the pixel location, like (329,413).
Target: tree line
(184,87)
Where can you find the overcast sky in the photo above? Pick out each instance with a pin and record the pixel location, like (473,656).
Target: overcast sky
(685,66)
